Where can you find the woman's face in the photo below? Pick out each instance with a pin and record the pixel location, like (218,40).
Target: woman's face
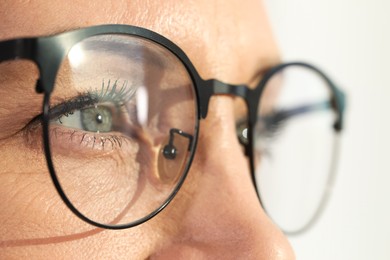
(216,214)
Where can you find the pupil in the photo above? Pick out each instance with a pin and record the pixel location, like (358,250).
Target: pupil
(99,118)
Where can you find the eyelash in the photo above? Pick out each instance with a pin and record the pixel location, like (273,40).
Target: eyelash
(105,94)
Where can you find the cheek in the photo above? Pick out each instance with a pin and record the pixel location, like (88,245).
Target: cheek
(100,187)
(35,221)
(30,204)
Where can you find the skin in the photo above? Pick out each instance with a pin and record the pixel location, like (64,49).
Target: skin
(216,214)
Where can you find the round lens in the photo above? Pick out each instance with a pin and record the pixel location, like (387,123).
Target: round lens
(122,122)
(294,146)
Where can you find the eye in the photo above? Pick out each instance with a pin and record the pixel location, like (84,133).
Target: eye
(267,127)
(97,119)
(110,109)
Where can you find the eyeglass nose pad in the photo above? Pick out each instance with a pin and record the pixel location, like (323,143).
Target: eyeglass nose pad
(172,156)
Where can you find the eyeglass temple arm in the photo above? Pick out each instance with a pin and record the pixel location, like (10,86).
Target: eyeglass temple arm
(17,49)
(337,103)
(285,114)
(41,52)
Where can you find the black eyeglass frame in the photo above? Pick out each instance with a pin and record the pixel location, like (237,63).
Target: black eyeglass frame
(49,52)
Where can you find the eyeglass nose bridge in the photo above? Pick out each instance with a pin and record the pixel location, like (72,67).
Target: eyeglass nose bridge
(250,96)
(213,87)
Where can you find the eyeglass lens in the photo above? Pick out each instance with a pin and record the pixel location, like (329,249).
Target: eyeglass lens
(123,118)
(294,142)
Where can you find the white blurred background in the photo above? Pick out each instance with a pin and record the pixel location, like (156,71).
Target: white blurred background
(350,41)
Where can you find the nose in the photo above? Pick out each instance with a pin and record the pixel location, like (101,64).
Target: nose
(224,218)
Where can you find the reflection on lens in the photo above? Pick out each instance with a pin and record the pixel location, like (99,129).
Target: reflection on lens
(294,142)
(115,103)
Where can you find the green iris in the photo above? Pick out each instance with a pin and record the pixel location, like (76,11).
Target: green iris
(96,119)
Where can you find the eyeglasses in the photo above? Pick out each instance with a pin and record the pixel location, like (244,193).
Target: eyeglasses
(120,125)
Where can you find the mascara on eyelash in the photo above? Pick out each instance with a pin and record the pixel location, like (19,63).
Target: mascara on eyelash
(108,93)
(105,94)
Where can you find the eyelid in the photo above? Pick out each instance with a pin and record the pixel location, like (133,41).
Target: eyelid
(71,105)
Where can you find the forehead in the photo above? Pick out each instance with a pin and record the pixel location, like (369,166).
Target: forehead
(226,33)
